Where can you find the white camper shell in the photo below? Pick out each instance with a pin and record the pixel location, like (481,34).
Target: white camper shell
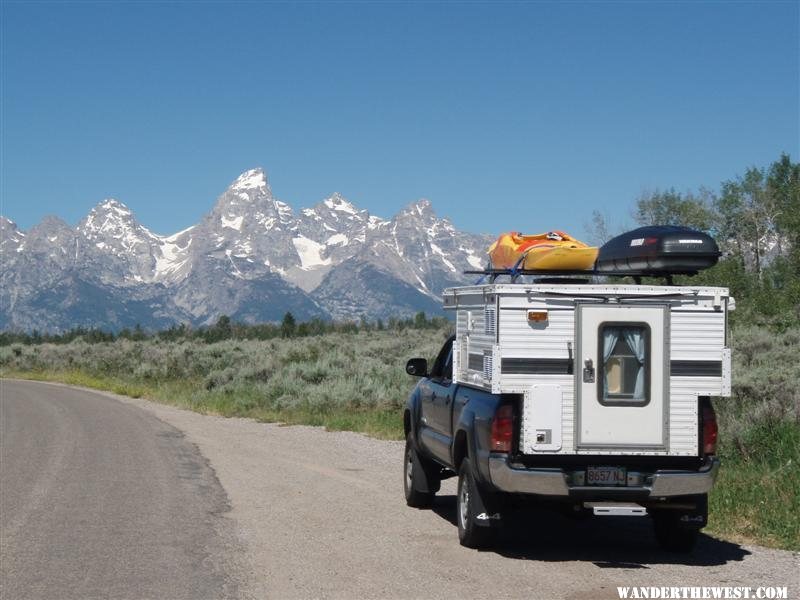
(602,368)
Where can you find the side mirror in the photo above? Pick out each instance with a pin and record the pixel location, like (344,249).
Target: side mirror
(418,367)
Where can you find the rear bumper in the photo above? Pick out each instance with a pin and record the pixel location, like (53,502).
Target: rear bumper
(569,484)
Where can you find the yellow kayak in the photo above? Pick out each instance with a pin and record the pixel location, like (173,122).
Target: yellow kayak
(551,251)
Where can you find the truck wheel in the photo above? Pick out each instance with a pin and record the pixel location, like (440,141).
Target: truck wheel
(468,498)
(419,482)
(671,536)
(677,530)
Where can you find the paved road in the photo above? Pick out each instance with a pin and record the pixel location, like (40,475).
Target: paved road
(317,514)
(101,499)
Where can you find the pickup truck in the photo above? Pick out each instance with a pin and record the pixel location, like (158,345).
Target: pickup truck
(453,429)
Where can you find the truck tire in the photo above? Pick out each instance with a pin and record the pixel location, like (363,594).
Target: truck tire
(468,498)
(677,530)
(420,483)
(672,537)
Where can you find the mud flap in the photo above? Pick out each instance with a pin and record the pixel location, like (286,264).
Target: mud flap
(696,518)
(487,507)
(686,518)
(426,478)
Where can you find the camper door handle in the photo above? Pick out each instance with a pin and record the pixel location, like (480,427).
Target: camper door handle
(588,371)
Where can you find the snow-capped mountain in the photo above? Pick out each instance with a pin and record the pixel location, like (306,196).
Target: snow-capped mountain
(124,251)
(252,257)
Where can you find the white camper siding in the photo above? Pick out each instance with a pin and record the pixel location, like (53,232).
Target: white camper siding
(696,339)
(683,439)
(697,334)
(552,339)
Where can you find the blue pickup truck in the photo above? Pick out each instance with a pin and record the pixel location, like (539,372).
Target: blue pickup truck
(459,430)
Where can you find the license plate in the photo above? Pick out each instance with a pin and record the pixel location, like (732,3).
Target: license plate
(606,476)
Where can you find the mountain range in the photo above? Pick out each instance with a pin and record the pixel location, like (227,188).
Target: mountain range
(251,257)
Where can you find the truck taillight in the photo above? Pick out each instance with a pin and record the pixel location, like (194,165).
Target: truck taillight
(709,428)
(502,429)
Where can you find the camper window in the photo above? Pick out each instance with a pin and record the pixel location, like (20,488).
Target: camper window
(625,351)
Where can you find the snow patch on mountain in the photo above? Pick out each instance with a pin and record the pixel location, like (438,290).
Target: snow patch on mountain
(337,239)
(234,223)
(252,179)
(285,212)
(310,253)
(176,236)
(475,261)
(172,258)
(376,222)
(443,256)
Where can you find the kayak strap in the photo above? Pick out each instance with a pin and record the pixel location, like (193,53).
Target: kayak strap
(515,270)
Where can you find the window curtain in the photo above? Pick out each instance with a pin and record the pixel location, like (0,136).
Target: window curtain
(610,338)
(636,340)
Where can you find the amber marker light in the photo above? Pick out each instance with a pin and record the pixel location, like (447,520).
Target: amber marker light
(537,316)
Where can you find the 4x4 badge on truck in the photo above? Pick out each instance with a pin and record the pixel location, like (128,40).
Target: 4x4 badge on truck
(484,517)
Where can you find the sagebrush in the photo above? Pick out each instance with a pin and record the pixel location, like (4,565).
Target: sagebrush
(327,374)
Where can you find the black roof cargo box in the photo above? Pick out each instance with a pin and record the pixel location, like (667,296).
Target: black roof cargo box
(659,250)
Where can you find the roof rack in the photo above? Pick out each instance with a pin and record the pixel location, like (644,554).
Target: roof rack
(569,276)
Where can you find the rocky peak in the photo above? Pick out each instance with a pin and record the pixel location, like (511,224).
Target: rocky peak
(110,208)
(335,214)
(10,236)
(254,179)
(122,251)
(418,220)
(50,227)
(8,227)
(338,226)
(51,238)
(339,204)
(249,202)
(110,218)
(421,208)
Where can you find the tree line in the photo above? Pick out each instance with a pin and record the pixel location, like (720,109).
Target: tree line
(226,328)
(755,218)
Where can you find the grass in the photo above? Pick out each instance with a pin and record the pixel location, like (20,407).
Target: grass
(355,381)
(382,423)
(757,496)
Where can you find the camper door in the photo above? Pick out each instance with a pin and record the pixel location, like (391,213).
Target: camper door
(622,376)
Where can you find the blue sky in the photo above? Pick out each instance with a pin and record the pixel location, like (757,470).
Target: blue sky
(522,116)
